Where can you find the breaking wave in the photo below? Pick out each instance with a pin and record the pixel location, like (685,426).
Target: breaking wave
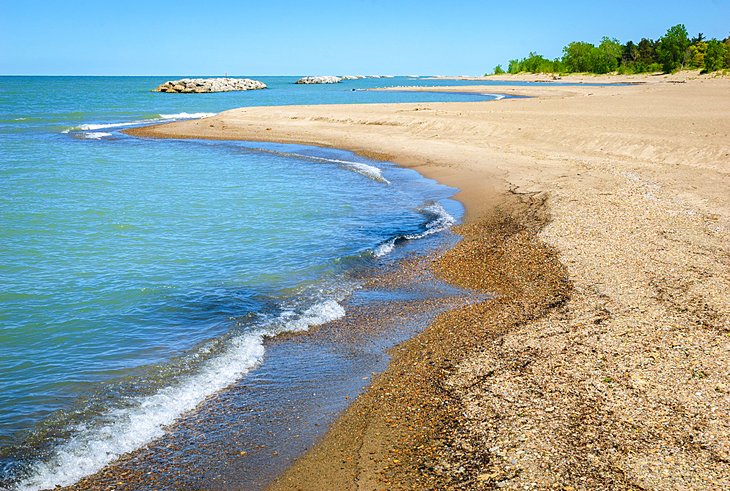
(123,430)
(366,170)
(94,135)
(439,220)
(139,122)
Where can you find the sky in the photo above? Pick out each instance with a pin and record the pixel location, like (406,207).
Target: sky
(318,37)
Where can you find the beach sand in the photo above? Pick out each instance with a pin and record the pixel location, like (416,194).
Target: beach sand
(583,78)
(600,218)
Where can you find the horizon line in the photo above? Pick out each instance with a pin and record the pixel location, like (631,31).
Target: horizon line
(217,75)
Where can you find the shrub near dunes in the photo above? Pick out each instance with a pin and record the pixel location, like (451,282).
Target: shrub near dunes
(671,52)
(717,55)
(534,63)
(672,48)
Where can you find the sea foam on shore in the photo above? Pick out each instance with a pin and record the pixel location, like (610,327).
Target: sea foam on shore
(123,430)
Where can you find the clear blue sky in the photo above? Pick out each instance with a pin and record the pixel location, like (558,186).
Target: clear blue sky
(181,37)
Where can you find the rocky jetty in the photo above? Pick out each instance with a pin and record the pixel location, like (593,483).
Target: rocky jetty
(205,85)
(352,77)
(319,80)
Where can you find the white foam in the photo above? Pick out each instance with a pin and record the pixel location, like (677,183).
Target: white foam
(125,430)
(187,115)
(441,221)
(497,97)
(92,448)
(163,117)
(320,313)
(104,126)
(384,248)
(366,170)
(95,135)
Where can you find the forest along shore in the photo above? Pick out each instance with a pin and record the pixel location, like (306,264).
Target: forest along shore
(600,216)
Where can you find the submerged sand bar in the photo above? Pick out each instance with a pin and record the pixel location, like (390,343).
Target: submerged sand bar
(601,218)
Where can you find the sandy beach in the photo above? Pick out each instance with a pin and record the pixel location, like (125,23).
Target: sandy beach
(587,78)
(600,219)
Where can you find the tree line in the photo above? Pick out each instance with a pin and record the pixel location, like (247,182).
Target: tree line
(675,50)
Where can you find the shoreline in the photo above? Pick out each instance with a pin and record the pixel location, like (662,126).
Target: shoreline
(168,449)
(565,387)
(253,430)
(611,78)
(327,126)
(407,430)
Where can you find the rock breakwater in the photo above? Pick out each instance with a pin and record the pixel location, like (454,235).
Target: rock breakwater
(205,85)
(319,80)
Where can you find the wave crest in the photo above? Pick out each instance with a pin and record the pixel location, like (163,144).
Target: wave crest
(124,430)
(440,220)
(123,124)
(184,115)
(94,135)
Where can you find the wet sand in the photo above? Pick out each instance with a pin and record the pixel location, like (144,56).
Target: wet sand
(247,435)
(600,217)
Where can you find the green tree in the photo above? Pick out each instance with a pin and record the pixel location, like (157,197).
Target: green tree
(535,63)
(629,53)
(715,56)
(612,47)
(671,52)
(498,70)
(558,66)
(629,56)
(607,56)
(697,54)
(577,56)
(672,48)
(647,52)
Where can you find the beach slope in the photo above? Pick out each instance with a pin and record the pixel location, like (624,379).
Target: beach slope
(600,217)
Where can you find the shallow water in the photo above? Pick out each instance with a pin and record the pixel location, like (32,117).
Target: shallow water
(138,277)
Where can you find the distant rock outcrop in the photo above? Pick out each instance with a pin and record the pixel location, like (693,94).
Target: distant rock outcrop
(352,77)
(205,85)
(319,80)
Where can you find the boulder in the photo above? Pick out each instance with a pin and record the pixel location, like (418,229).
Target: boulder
(206,85)
(319,80)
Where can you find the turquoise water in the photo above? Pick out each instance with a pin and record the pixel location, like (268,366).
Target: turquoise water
(138,277)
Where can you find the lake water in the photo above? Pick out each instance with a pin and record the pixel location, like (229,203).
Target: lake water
(138,277)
